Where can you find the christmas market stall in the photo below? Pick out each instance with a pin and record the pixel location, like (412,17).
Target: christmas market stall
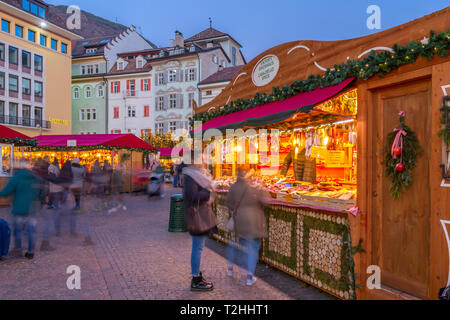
(170,156)
(123,151)
(350,141)
(11,142)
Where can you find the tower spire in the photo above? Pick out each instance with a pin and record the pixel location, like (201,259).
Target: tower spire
(210,23)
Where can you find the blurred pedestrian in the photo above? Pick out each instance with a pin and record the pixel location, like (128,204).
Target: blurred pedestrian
(245,204)
(180,174)
(107,175)
(198,198)
(66,179)
(117,182)
(77,183)
(26,187)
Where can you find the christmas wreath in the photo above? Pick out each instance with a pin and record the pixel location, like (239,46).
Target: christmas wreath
(401,153)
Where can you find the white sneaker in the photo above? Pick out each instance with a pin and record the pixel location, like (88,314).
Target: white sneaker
(251,281)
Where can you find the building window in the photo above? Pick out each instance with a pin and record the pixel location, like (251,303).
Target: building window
(160,78)
(116,112)
(38,63)
(88,92)
(26,59)
(34,8)
(100,92)
(96,68)
(119,65)
(160,103)
(191,75)
(2,110)
(26,115)
(38,116)
(172,101)
(13,112)
(160,127)
(83,70)
(54,44)
(43,40)
(63,47)
(173,126)
(131,112)
(13,83)
(146,85)
(2,52)
(31,36)
(90,69)
(5,26)
(116,87)
(209,93)
(233,56)
(172,75)
(13,55)
(26,5)
(19,31)
(38,89)
(146,111)
(139,64)
(26,86)
(76,93)
(88,114)
(2,80)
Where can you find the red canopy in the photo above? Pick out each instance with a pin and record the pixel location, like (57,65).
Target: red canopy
(7,133)
(168,152)
(291,104)
(112,140)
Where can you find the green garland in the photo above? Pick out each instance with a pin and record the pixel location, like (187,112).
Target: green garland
(19,142)
(445,132)
(411,151)
(90,148)
(375,63)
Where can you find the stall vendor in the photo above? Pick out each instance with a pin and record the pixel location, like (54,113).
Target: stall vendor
(304,167)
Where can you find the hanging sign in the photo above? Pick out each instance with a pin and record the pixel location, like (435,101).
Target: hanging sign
(59,121)
(71,143)
(265,70)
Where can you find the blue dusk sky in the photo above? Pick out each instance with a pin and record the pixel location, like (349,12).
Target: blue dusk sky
(257,24)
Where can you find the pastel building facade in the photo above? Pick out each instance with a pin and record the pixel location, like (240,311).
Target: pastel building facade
(93,59)
(35,69)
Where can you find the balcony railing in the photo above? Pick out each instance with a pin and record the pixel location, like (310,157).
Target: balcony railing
(25,122)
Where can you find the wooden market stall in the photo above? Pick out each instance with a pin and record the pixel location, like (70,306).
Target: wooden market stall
(170,156)
(124,150)
(11,142)
(343,109)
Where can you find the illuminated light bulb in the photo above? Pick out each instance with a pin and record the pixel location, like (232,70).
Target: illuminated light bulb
(296,150)
(98,155)
(238,148)
(53,154)
(75,153)
(257,146)
(326,140)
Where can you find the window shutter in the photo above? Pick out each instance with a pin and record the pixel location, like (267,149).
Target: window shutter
(166,75)
(149,84)
(180,101)
(128,84)
(156,103)
(142,84)
(146,111)
(166,102)
(112,131)
(181,75)
(186,75)
(112,86)
(118,86)
(195,74)
(120,131)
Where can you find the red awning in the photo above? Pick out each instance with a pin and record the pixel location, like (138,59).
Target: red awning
(7,133)
(168,152)
(291,104)
(113,140)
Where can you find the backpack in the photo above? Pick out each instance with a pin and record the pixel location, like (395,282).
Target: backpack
(5,238)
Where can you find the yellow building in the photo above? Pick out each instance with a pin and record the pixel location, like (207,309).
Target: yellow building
(35,68)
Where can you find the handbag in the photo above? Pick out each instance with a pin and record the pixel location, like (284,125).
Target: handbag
(200,221)
(230,223)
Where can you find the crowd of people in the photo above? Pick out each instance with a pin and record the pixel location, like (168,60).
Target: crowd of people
(44,192)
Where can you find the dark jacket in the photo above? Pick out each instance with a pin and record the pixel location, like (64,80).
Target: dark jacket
(247,205)
(304,169)
(27,190)
(197,197)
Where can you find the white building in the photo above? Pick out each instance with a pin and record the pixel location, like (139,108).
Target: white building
(175,72)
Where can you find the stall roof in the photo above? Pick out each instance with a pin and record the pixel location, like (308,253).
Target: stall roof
(118,141)
(275,112)
(168,152)
(8,135)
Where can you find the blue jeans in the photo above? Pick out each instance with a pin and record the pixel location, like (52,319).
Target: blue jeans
(19,224)
(252,246)
(198,243)
(175,180)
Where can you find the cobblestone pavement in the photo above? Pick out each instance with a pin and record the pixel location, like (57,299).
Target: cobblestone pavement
(135,257)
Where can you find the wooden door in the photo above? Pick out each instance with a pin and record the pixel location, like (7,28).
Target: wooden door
(401,228)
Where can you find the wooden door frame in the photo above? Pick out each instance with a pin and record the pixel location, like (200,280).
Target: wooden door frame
(366,155)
